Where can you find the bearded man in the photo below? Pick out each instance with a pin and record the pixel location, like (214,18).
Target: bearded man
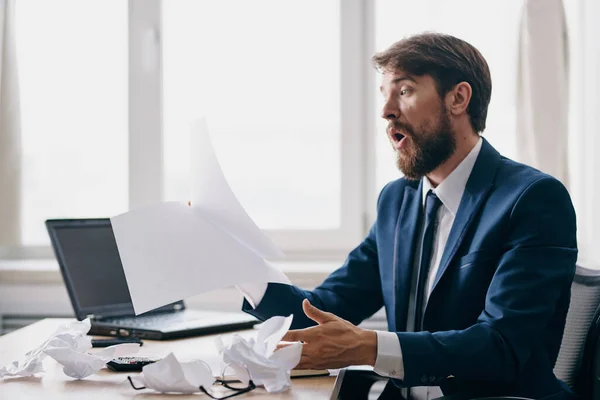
(472,254)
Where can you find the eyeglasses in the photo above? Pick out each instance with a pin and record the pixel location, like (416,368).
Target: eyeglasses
(231,384)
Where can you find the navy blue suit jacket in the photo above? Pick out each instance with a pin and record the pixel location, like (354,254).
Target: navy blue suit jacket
(496,314)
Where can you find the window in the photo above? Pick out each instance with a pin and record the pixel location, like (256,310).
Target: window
(287,86)
(271,91)
(490,26)
(72,60)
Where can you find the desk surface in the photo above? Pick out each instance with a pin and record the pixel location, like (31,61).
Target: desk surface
(54,384)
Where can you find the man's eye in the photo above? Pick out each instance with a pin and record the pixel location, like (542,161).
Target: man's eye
(403,92)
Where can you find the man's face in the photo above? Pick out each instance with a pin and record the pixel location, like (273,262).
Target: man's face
(419,126)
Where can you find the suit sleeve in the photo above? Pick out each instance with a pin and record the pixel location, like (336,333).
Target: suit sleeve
(537,266)
(352,292)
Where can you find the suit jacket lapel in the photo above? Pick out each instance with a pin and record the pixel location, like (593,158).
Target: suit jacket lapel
(478,186)
(405,239)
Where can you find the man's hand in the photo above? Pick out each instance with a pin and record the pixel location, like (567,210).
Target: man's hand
(334,343)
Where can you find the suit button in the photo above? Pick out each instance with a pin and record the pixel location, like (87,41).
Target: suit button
(431,378)
(424,378)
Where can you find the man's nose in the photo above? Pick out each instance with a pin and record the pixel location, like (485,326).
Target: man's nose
(389,111)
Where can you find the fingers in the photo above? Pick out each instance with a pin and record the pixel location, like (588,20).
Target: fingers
(305,363)
(315,314)
(298,335)
(282,345)
(308,360)
(307,334)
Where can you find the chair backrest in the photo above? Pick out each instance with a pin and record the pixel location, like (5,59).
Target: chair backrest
(595,383)
(595,389)
(585,300)
(588,382)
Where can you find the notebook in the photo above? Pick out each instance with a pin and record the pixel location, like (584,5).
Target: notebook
(91,268)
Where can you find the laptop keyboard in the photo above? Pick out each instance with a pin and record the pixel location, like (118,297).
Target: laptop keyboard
(145,321)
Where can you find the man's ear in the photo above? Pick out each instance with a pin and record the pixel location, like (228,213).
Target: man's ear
(458,98)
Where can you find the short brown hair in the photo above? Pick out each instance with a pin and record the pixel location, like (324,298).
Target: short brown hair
(449,61)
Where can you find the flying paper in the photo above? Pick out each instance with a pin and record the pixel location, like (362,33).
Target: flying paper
(171,251)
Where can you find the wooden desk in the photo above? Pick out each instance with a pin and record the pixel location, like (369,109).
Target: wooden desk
(54,384)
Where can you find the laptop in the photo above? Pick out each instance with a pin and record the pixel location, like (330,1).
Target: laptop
(89,261)
(361,382)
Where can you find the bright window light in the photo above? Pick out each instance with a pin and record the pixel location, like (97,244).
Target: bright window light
(72,60)
(270,87)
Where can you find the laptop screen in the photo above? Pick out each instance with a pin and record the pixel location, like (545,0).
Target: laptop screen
(91,267)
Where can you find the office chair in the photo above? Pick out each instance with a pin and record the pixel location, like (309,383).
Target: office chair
(588,382)
(578,362)
(579,348)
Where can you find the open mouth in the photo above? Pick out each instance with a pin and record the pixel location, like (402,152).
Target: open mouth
(396,137)
(398,140)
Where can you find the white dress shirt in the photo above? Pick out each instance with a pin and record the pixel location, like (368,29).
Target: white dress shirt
(389,360)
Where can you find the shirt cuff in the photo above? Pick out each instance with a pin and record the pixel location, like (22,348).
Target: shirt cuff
(253,292)
(389,355)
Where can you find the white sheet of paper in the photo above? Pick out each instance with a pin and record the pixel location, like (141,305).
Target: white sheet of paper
(68,345)
(171,376)
(67,336)
(79,365)
(270,334)
(267,366)
(171,251)
(212,194)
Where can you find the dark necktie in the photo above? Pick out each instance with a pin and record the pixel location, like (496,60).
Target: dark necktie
(432,203)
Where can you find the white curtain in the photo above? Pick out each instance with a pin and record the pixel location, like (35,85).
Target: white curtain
(10,130)
(542,88)
(584,136)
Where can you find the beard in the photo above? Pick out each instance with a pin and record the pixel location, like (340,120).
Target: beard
(427,148)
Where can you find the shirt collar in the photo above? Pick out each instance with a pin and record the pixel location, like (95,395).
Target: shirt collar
(451,190)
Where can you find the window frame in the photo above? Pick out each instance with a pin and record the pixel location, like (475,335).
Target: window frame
(145,130)
(357,129)
(358,125)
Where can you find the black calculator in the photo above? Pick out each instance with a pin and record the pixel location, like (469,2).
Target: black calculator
(130,364)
